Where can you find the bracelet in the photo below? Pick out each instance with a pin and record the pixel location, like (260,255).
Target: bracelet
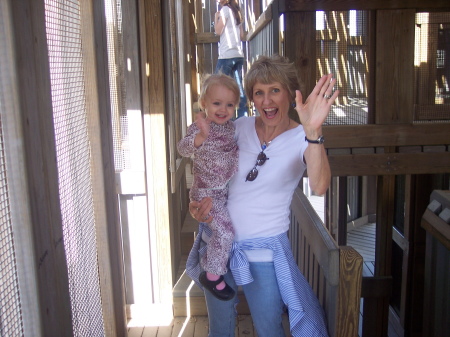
(319,140)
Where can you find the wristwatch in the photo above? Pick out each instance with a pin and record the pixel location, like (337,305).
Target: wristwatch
(319,140)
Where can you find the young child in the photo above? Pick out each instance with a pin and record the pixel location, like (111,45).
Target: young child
(211,141)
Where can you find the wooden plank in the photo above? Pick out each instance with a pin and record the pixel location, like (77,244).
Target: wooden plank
(150,331)
(322,245)
(394,66)
(376,286)
(350,279)
(201,326)
(245,326)
(135,331)
(302,47)
(333,5)
(386,135)
(437,227)
(157,169)
(183,327)
(98,110)
(389,164)
(35,99)
(206,37)
(262,21)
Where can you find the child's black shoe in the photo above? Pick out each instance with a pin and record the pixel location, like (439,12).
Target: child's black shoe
(225,294)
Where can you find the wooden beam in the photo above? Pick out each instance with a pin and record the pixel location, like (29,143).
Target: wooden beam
(206,37)
(376,286)
(394,94)
(35,99)
(333,5)
(156,152)
(389,164)
(99,117)
(302,48)
(348,136)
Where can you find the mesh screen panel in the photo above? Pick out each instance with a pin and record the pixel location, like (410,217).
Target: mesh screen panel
(10,306)
(73,158)
(432,64)
(342,49)
(10,313)
(119,116)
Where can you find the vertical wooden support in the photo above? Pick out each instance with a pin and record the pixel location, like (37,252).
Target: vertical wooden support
(350,280)
(342,211)
(395,66)
(156,153)
(98,110)
(300,47)
(33,76)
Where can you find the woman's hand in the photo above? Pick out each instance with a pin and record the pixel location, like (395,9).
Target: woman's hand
(313,113)
(200,210)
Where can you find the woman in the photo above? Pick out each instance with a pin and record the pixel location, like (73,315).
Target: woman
(228,25)
(274,152)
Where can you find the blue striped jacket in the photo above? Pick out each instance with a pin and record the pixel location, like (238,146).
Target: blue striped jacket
(306,316)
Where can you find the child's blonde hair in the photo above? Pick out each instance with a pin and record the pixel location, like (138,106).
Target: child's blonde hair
(218,79)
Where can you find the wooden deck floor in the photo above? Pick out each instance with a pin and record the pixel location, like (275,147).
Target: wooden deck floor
(196,327)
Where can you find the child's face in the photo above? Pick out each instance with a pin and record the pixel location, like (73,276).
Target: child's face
(219,104)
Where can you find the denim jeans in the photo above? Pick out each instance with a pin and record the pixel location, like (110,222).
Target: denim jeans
(233,68)
(263,298)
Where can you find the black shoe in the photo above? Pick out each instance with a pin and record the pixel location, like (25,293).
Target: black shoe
(225,294)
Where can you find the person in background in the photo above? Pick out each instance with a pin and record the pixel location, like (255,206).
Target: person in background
(228,24)
(274,152)
(211,141)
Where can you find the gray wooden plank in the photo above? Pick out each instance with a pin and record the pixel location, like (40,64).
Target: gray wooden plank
(135,331)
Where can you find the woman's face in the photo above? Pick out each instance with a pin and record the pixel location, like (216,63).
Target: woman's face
(272,102)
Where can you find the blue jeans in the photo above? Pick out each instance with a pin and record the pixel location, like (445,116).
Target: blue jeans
(233,68)
(263,298)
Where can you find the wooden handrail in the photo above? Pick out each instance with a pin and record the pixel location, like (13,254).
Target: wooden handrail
(334,272)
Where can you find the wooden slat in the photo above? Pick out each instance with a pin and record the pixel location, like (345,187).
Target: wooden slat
(333,5)
(324,249)
(389,164)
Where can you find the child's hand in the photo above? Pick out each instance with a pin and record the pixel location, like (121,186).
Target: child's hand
(203,124)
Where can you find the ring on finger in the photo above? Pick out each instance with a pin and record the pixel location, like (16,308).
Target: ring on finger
(327,96)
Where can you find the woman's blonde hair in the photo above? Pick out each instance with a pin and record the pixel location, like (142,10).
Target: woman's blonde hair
(270,69)
(218,79)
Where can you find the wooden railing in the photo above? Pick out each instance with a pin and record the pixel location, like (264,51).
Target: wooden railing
(334,272)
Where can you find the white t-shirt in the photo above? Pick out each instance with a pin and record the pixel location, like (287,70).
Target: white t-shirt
(261,208)
(230,45)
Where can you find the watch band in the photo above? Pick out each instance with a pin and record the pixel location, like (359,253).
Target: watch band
(319,140)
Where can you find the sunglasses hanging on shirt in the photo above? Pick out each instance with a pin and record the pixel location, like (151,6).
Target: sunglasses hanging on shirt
(260,160)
